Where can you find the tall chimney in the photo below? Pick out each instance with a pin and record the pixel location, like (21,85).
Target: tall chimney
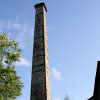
(40,86)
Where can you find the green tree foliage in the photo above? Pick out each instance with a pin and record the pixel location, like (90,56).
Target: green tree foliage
(10,83)
(67,98)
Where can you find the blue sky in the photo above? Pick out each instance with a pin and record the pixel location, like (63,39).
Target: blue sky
(73,40)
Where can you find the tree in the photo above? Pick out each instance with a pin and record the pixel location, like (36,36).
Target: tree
(67,98)
(10,83)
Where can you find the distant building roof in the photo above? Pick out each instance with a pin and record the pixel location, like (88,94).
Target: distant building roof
(96,94)
(91,98)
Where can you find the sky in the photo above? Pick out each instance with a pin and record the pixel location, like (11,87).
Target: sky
(73,42)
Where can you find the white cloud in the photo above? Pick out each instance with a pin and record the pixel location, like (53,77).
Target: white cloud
(23,62)
(57,98)
(13,25)
(56,74)
(21,32)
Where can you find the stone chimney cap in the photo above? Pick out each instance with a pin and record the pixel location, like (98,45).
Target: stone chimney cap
(41,4)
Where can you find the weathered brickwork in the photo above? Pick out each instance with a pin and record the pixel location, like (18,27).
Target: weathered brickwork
(40,89)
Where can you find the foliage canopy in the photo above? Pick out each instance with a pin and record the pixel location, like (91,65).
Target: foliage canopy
(10,83)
